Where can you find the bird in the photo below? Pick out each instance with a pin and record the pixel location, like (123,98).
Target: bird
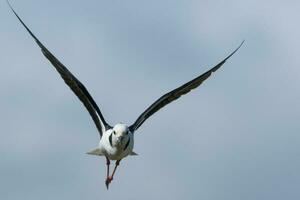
(117,142)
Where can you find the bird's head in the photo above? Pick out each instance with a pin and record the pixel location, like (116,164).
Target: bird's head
(120,134)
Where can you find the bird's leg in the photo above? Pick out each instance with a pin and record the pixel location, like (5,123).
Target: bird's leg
(108,179)
(117,164)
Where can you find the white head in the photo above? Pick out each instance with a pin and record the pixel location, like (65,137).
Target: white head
(120,134)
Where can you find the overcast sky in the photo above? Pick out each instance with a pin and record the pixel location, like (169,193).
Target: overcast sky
(235,137)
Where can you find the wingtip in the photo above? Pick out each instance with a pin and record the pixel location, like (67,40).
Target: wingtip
(238,47)
(9,5)
(241,44)
(25,26)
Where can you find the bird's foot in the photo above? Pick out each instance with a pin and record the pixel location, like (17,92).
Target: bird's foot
(108,181)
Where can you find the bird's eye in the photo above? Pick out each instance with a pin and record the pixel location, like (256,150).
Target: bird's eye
(114,132)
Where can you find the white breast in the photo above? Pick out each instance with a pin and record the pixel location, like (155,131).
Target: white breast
(115,152)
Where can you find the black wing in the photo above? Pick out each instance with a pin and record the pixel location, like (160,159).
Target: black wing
(175,94)
(75,85)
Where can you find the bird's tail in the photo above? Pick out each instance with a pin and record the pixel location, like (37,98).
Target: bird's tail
(98,152)
(95,152)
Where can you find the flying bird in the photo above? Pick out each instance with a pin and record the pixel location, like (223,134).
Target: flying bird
(116,142)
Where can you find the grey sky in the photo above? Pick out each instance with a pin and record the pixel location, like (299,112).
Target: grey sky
(236,137)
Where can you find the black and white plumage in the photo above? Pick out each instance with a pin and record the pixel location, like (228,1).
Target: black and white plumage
(117,142)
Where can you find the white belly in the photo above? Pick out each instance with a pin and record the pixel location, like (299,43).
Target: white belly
(115,152)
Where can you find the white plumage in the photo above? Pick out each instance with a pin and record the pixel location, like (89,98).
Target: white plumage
(119,146)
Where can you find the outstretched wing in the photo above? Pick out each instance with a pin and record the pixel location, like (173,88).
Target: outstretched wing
(175,94)
(75,85)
